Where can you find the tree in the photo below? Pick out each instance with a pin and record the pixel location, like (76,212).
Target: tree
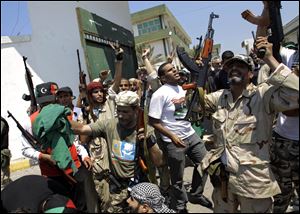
(153,59)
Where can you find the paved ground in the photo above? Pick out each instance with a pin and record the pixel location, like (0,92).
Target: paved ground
(193,208)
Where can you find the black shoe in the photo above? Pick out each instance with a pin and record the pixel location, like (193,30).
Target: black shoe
(202,200)
(182,211)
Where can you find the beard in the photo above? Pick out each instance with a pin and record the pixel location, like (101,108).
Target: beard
(235,80)
(133,210)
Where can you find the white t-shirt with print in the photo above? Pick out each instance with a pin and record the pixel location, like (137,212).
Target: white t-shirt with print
(168,105)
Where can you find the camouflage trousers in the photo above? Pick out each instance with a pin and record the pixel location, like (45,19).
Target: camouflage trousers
(5,170)
(247,205)
(285,165)
(99,155)
(102,188)
(118,202)
(111,202)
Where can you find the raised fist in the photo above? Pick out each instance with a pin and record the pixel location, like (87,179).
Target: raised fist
(119,52)
(146,52)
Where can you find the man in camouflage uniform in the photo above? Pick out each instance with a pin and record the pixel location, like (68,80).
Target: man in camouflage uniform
(5,153)
(242,125)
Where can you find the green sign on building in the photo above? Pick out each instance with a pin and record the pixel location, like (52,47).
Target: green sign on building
(96,33)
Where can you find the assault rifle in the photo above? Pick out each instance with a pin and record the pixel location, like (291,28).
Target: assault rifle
(31,96)
(198,49)
(31,139)
(142,123)
(82,102)
(196,89)
(35,144)
(275,28)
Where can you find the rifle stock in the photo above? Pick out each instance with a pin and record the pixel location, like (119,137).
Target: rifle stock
(31,96)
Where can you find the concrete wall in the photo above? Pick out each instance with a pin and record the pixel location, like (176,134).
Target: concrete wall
(51,52)
(291,30)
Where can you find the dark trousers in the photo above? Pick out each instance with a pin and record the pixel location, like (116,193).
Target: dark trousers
(83,193)
(195,150)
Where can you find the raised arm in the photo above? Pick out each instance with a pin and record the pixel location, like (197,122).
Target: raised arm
(262,42)
(118,67)
(149,67)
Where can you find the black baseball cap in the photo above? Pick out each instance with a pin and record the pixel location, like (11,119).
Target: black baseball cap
(45,92)
(66,90)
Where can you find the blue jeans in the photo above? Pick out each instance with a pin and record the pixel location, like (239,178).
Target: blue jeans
(195,150)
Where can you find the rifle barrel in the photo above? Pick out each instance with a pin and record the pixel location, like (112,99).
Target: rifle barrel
(28,78)
(79,63)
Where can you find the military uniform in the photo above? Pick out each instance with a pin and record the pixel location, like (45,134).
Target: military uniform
(98,151)
(5,153)
(243,133)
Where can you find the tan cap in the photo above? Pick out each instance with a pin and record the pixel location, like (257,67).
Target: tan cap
(127,98)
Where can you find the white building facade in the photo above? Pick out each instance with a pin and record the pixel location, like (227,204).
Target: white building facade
(51,52)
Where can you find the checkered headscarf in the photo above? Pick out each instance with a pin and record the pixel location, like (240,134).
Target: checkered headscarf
(148,193)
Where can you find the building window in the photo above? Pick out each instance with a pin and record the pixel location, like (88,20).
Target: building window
(149,26)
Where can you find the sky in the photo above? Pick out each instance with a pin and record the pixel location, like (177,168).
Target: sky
(230,28)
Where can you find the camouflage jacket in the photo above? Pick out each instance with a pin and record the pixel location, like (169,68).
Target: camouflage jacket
(243,131)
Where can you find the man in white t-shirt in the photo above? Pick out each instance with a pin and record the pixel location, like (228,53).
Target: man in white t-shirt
(166,113)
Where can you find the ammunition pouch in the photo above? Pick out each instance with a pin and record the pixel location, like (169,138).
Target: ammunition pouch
(217,173)
(219,177)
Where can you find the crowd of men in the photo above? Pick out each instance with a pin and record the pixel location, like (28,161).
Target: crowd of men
(104,157)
